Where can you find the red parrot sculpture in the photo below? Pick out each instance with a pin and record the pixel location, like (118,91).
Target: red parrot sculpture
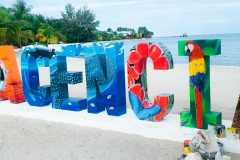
(197,76)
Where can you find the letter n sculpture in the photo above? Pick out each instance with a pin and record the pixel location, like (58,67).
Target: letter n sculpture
(199,52)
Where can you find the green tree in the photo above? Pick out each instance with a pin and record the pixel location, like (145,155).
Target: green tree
(18,26)
(143,32)
(57,24)
(21,10)
(34,22)
(109,30)
(80,25)
(5,15)
(17,30)
(120,29)
(16,35)
(47,34)
(3,36)
(27,37)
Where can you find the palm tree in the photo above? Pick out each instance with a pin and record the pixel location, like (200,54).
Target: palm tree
(47,34)
(3,34)
(11,33)
(14,34)
(21,10)
(27,37)
(5,15)
(79,25)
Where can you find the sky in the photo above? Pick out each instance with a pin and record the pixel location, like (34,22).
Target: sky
(163,17)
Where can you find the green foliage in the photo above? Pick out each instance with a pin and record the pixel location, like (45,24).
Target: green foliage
(14,34)
(46,33)
(3,33)
(108,36)
(80,24)
(19,27)
(5,15)
(143,32)
(20,10)
(36,21)
(120,29)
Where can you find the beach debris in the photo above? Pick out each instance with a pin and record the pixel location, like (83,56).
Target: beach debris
(234,133)
(226,157)
(204,146)
(220,131)
(193,156)
(187,149)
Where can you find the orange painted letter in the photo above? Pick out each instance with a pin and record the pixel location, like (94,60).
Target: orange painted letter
(10,81)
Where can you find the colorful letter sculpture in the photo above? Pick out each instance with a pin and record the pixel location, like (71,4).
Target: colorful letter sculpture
(32,58)
(11,84)
(60,79)
(106,79)
(137,81)
(199,52)
(104,63)
(236,118)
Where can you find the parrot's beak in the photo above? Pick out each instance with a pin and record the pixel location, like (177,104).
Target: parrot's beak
(188,51)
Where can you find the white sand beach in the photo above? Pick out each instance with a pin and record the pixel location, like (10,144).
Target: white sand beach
(47,137)
(99,35)
(224,80)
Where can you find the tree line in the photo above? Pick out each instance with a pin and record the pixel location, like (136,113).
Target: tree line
(19,27)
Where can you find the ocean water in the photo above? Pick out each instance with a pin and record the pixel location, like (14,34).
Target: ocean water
(230,45)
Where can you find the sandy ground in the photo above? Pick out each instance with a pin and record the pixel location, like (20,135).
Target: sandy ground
(67,142)
(53,141)
(225,87)
(26,139)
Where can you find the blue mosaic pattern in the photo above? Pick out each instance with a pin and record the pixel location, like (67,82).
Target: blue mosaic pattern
(105,78)
(32,57)
(60,79)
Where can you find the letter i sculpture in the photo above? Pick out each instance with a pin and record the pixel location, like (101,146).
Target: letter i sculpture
(199,52)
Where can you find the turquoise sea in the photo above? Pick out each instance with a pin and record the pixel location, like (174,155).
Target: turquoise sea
(230,44)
